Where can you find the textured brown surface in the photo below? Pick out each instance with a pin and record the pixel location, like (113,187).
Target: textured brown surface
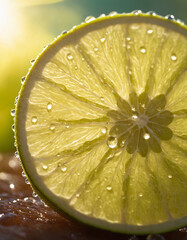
(24,217)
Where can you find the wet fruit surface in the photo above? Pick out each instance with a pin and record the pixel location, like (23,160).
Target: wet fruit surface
(23,216)
(141,123)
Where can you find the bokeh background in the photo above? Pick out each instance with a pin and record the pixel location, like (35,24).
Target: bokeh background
(26,26)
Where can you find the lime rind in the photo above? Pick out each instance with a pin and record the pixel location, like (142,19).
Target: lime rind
(156,112)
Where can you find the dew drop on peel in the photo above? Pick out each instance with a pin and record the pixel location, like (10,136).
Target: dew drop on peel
(170,17)
(34,194)
(142,50)
(89,19)
(109,188)
(52,127)
(23,80)
(173,57)
(13,128)
(112,142)
(13,112)
(45,167)
(64,169)
(150,31)
(104,130)
(49,107)
(34,120)
(69,56)
(146,136)
(16,154)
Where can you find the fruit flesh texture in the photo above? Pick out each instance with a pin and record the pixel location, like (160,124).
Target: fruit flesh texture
(148,63)
(23,217)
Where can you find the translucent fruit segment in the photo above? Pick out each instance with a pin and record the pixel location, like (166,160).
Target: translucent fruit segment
(101,123)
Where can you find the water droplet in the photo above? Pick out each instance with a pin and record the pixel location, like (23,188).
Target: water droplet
(113,13)
(180,21)
(122,144)
(89,19)
(1,215)
(142,50)
(134,116)
(49,107)
(27,181)
(133,238)
(15,145)
(102,98)
(77,195)
(183,229)
(102,39)
(16,154)
(102,15)
(67,126)
(109,188)
(69,56)
(140,195)
(75,67)
(13,128)
(155,237)
(32,60)
(170,17)
(104,130)
(13,112)
(22,80)
(52,127)
(34,120)
(95,49)
(152,13)
(16,100)
(12,186)
(23,174)
(19,162)
(149,31)
(35,195)
(146,136)
(64,169)
(173,57)
(45,167)
(136,12)
(134,27)
(64,32)
(170,176)
(112,142)
(130,72)
(128,38)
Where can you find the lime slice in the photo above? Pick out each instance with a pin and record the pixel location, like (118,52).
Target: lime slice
(101,124)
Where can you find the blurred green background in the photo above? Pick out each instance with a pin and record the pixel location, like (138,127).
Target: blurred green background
(26,26)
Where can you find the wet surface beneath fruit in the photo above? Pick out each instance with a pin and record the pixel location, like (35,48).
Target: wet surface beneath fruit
(23,216)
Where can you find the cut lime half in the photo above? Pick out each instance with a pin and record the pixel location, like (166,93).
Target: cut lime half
(101,124)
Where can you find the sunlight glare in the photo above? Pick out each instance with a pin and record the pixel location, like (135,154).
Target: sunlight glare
(9,22)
